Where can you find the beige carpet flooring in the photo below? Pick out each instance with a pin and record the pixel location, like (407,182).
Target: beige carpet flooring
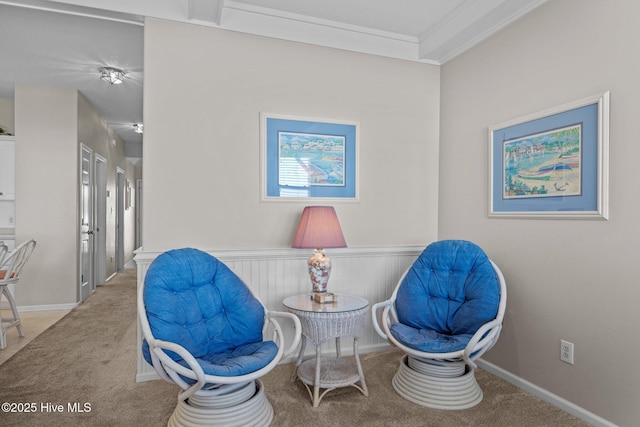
(81,372)
(33,323)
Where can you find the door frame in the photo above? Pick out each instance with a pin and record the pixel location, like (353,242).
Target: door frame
(119,235)
(86,287)
(100,210)
(138,207)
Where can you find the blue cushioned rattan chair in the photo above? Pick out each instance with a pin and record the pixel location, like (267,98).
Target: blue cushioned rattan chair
(445,312)
(203,330)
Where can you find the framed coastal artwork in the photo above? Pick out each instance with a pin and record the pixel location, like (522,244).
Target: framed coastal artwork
(308,158)
(552,164)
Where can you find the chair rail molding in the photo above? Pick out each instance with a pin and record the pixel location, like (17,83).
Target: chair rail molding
(273,274)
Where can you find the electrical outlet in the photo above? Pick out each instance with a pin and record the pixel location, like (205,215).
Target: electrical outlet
(566,351)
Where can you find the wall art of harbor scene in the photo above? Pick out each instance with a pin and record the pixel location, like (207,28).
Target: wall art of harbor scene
(307,159)
(546,164)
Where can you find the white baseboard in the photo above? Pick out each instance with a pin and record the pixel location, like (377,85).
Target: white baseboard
(546,395)
(110,277)
(47,307)
(147,376)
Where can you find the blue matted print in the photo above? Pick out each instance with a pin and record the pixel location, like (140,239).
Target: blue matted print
(552,164)
(308,158)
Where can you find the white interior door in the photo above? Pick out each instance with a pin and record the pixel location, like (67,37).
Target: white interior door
(87,281)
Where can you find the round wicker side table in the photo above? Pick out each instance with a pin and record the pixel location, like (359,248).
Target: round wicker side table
(344,317)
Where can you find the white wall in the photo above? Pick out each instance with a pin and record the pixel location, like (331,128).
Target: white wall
(50,125)
(201,152)
(47,192)
(567,279)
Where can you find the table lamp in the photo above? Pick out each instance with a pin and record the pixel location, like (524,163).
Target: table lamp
(319,229)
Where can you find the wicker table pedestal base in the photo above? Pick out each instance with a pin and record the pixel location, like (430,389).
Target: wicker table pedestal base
(332,373)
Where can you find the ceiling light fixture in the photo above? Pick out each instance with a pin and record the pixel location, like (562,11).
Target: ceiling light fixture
(138,128)
(111,75)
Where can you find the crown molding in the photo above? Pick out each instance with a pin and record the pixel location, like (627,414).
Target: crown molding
(464,27)
(304,29)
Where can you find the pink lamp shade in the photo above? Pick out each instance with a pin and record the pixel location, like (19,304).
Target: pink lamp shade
(319,228)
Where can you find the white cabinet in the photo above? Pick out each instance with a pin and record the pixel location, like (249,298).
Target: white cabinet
(7,168)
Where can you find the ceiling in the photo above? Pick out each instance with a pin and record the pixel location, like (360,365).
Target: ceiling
(64,43)
(65,51)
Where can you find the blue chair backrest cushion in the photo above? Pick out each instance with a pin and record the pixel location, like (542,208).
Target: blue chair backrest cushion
(451,289)
(194,300)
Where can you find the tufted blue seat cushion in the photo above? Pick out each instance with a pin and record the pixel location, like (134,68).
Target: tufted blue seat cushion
(196,301)
(449,292)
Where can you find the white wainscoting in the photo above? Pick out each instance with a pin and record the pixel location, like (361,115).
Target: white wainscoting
(274,274)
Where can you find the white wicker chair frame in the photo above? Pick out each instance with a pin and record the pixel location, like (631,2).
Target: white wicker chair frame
(440,380)
(11,265)
(4,249)
(217,400)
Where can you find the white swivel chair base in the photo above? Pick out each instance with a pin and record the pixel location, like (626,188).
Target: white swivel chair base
(254,411)
(435,386)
